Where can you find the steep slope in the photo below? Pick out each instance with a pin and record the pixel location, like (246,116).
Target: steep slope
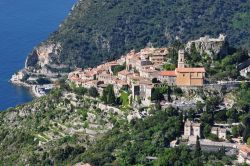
(52,130)
(65,128)
(100,30)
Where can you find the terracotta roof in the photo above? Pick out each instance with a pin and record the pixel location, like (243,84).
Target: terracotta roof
(245,148)
(124,72)
(90,74)
(167,73)
(191,70)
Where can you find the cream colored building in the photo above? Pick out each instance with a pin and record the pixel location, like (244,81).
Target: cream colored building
(188,76)
(168,77)
(219,132)
(192,129)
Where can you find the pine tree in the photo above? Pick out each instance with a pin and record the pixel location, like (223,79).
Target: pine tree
(197,148)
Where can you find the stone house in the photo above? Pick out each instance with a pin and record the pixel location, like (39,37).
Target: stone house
(149,73)
(155,55)
(192,129)
(119,85)
(122,75)
(133,78)
(168,77)
(219,132)
(107,78)
(190,76)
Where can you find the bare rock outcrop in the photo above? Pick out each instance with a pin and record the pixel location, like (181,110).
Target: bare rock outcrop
(214,47)
(43,55)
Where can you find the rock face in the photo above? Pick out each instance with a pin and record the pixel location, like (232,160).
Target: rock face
(43,55)
(214,47)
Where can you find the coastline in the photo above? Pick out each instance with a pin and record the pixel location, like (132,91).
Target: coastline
(25,85)
(35,90)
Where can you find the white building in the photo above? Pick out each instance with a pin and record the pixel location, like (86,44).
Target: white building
(192,129)
(219,132)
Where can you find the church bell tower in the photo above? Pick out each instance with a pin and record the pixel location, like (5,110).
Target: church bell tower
(181,59)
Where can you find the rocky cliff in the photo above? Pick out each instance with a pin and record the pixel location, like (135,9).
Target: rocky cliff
(43,55)
(214,47)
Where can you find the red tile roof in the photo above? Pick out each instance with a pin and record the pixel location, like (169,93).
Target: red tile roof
(167,73)
(245,149)
(191,70)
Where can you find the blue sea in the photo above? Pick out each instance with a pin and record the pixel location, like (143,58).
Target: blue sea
(23,25)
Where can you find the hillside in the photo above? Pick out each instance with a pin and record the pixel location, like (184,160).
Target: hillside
(68,127)
(96,31)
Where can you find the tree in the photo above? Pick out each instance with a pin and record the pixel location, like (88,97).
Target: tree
(157,94)
(168,66)
(178,91)
(248,141)
(93,92)
(194,56)
(244,86)
(207,130)
(197,152)
(155,80)
(199,106)
(232,114)
(42,81)
(118,69)
(246,133)
(80,90)
(109,95)
(235,131)
(207,118)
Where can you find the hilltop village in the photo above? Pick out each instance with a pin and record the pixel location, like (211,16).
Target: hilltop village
(165,93)
(141,72)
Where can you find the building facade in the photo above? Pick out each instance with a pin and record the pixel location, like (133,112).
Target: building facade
(190,76)
(192,129)
(219,132)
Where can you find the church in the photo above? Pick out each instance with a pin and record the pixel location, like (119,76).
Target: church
(188,76)
(183,76)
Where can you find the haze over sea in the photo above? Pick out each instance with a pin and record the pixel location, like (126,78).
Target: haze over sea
(23,25)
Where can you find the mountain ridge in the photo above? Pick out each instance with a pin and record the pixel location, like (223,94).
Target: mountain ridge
(97,31)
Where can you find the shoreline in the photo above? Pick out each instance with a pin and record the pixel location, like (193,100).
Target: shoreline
(25,85)
(35,90)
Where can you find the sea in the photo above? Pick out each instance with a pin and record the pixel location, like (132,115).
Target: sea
(23,25)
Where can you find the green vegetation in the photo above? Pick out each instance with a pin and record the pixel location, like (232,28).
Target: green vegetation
(226,68)
(168,66)
(51,130)
(158,93)
(241,21)
(184,156)
(124,98)
(98,31)
(131,144)
(118,68)
(93,92)
(248,141)
(108,96)
(42,81)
